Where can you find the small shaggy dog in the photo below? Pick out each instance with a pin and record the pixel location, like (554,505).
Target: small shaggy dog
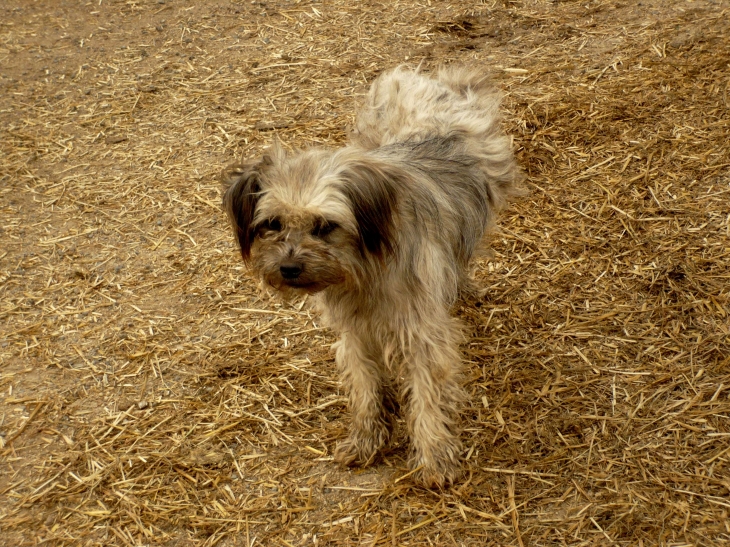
(382,231)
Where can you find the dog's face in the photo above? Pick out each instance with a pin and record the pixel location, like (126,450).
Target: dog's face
(299,249)
(313,220)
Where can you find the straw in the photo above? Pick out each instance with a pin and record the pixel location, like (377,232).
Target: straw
(152,394)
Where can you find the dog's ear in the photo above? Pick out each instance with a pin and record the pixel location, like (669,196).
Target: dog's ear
(371,190)
(242,186)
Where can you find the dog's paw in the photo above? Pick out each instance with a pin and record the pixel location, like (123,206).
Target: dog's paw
(354,452)
(441,469)
(437,478)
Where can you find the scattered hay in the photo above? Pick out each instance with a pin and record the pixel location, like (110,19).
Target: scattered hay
(152,395)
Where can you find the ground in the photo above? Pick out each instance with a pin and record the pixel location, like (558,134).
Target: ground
(152,394)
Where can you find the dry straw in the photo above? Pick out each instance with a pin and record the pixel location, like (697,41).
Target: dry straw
(152,395)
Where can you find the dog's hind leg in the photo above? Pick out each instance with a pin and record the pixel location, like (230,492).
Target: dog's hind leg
(434,393)
(371,401)
(469,290)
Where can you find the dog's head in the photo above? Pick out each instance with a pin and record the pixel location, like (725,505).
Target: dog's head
(315,219)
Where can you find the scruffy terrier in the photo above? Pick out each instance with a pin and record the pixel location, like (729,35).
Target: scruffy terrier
(382,231)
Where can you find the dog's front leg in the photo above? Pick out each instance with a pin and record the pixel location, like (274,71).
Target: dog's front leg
(434,393)
(370,400)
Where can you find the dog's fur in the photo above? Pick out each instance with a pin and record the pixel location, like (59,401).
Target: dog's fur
(383,231)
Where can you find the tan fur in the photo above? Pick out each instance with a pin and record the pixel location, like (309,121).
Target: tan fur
(382,232)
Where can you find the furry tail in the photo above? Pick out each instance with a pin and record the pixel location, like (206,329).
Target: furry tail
(463,80)
(406,106)
(480,121)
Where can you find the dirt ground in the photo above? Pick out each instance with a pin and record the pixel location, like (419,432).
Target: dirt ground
(151,394)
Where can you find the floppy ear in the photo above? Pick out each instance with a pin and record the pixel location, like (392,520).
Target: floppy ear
(242,185)
(372,193)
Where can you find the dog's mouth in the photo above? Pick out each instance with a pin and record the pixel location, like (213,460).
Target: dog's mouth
(301,284)
(298,285)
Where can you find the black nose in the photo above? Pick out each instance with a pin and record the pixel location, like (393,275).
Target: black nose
(290,270)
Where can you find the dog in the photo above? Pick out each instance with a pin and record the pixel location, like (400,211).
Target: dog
(383,232)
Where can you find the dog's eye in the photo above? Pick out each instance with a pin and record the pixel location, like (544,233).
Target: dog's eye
(324,228)
(271,225)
